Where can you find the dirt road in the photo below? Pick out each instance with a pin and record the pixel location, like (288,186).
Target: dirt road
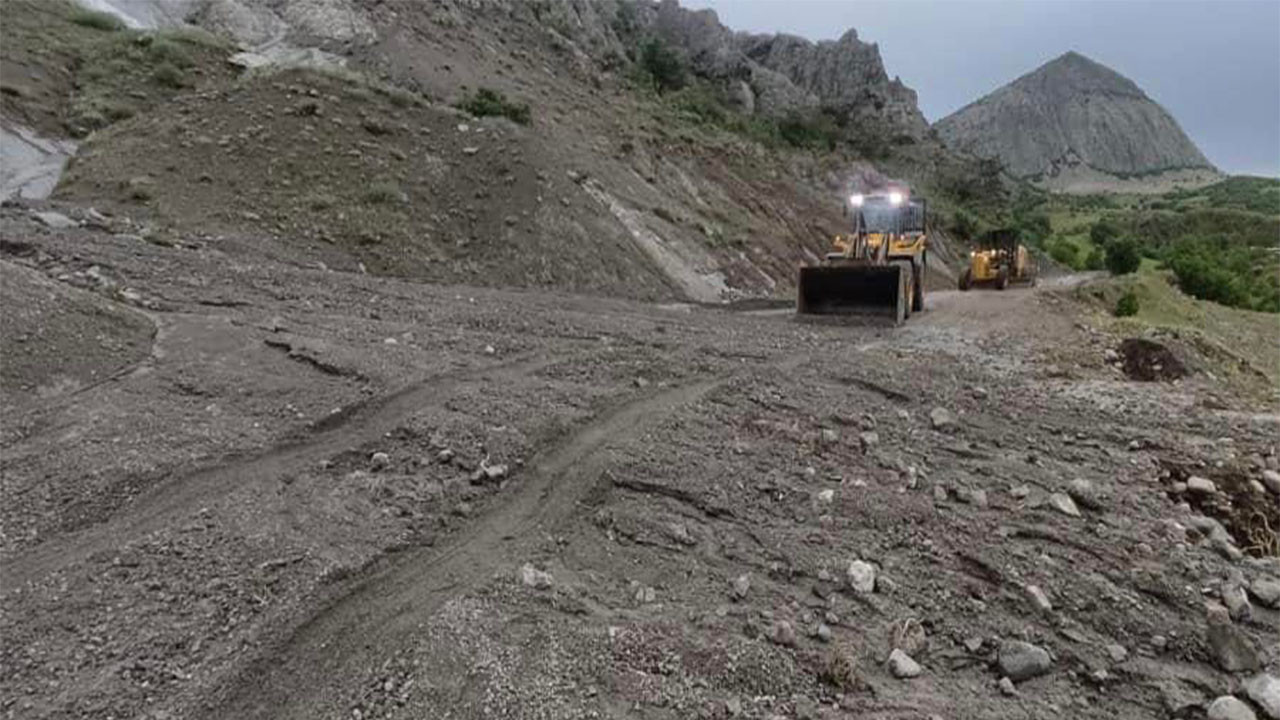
(318,494)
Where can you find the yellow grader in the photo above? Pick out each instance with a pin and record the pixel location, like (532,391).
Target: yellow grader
(999,260)
(878,269)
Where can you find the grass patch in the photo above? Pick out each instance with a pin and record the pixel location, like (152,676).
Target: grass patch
(493,103)
(106,22)
(383,193)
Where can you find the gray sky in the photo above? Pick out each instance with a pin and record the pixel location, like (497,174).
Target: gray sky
(1213,64)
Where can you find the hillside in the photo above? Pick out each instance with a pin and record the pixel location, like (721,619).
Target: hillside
(1076,125)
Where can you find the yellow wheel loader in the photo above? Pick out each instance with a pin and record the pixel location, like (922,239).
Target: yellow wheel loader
(999,260)
(878,269)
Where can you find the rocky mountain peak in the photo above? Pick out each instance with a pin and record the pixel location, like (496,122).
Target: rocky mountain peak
(1074,119)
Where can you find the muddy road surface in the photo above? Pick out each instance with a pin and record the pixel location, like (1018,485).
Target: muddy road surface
(266,490)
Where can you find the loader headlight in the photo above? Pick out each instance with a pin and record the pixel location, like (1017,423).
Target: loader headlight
(856,199)
(895,198)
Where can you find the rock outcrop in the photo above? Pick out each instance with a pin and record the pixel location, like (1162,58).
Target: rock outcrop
(1074,117)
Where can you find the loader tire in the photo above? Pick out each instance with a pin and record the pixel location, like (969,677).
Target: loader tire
(1002,279)
(917,293)
(966,279)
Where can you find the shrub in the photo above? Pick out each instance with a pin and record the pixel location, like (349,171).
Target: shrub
(663,65)
(1226,273)
(486,103)
(168,75)
(97,20)
(383,193)
(1064,252)
(1127,305)
(1096,260)
(1103,232)
(1123,257)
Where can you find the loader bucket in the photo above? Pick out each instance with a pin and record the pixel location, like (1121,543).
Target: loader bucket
(852,290)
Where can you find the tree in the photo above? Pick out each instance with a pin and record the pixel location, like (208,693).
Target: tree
(1103,232)
(1123,256)
(964,225)
(662,64)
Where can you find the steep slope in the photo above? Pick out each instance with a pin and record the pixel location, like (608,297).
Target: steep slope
(1074,123)
(608,188)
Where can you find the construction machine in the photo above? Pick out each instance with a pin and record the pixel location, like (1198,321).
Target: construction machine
(999,260)
(877,269)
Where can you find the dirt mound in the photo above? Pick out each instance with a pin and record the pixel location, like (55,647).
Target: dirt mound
(1251,516)
(1149,361)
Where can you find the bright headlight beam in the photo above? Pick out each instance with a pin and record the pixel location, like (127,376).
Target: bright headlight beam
(895,198)
(856,200)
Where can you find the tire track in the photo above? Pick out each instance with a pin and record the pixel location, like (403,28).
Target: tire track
(355,425)
(301,677)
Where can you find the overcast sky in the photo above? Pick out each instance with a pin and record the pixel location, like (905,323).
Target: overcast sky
(1213,64)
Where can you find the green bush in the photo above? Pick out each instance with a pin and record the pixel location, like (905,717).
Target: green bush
(1123,256)
(817,131)
(1063,252)
(486,103)
(1096,260)
(383,193)
(662,65)
(97,20)
(1103,232)
(1127,305)
(1226,273)
(168,75)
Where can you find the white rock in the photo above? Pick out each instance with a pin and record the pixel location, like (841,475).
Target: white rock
(1271,479)
(1264,690)
(862,577)
(1267,591)
(741,586)
(379,460)
(1039,599)
(827,496)
(54,220)
(902,666)
(1229,708)
(942,419)
(1201,486)
(535,578)
(1064,504)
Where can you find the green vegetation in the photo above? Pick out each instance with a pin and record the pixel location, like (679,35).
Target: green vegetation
(1255,194)
(664,68)
(700,104)
(1122,256)
(1226,273)
(105,22)
(1127,305)
(383,193)
(492,103)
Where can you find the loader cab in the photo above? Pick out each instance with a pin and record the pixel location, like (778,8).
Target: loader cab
(882,225)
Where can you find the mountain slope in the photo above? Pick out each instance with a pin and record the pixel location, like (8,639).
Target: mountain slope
(1073,120)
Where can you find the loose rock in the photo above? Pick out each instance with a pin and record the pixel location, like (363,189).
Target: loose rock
(535,578)
(379,460)
(902,666)
(1020,661)
(783,634)
(1230,708)
(1064,504)
(1271,479)
(1267,591)
(1039,599)
(1264,690)
(862,577)
(741,586)
(1232,650)
(942,419)
(1201,486)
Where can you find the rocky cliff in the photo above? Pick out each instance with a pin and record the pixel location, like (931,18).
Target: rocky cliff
(1073,118)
